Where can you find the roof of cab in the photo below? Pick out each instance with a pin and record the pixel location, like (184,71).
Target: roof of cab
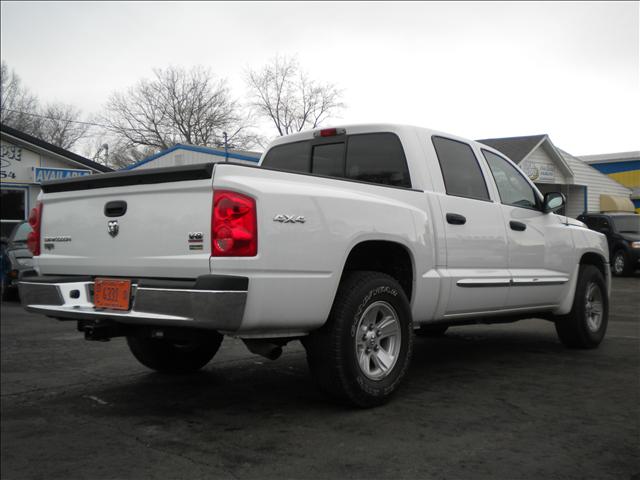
(364,128)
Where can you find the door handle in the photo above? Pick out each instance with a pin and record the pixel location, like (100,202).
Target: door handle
(456,219)
(518,226)
(116,208)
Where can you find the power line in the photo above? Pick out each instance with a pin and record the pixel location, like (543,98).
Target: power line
(60,119)
(92,124)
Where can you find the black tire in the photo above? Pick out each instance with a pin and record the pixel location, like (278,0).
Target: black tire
(168,356)
(332,352)
(432,330)
(575,329)
(620,264)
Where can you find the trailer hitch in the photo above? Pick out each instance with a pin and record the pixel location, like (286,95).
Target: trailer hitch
(100,330)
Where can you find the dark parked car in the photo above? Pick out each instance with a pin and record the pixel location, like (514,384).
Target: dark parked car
(623,235)
(16,258)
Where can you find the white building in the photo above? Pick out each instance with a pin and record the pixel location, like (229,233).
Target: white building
(26,162)
(191,154)
(552,169)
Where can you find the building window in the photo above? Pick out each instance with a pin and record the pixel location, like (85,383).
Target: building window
(14,208)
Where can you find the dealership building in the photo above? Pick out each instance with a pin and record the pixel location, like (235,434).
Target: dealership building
(26,162)
(554,170)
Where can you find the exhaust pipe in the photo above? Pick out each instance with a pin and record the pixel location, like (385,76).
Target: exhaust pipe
(264,348)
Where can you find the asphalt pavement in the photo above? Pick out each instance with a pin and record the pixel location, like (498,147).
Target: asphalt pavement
(483,402)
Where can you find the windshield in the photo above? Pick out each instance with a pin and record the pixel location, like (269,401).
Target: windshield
(21,232)
(627,223)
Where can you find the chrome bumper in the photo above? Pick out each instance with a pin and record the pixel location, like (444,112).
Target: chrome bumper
(210,302)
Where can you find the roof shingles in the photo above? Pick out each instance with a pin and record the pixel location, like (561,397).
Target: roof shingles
(54,149)
(516,148)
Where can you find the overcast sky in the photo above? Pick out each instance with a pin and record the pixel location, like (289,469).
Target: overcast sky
(474,69)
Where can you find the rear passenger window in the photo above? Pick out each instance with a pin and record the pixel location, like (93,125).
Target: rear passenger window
(460,169)
(290,156)
(377,158)
(328,159)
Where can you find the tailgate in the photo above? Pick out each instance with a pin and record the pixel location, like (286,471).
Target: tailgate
(148,223)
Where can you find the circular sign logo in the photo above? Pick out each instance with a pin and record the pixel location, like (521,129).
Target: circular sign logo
(532,172)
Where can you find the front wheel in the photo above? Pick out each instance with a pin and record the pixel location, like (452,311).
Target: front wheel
(586,324)
(363,351)
(620,264)
(175,356)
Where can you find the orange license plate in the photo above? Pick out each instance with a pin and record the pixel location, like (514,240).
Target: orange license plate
(111,293)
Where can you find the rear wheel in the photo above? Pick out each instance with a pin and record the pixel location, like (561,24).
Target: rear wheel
(586,324)
(175,356)
(363,351)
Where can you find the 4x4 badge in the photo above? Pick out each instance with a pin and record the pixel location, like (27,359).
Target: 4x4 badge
(289,218)
(113,227)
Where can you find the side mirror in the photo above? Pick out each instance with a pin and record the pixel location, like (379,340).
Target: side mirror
(553,201)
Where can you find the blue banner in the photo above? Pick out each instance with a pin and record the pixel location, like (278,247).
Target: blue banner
(46,174)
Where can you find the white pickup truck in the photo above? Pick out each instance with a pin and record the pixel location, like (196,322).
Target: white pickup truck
(347,239)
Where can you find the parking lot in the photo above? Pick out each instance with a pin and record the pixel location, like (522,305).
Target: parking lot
(501,401)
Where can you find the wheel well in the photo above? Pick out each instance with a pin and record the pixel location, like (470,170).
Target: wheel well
(386,257)
(596,260)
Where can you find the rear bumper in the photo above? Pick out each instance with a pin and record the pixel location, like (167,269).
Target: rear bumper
(214,302)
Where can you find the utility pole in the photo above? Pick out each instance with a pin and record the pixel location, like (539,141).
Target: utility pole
(226,147)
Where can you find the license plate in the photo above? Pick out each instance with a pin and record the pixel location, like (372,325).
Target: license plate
(111,293)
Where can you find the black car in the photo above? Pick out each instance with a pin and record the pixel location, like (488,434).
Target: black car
(16,258)
(623,235)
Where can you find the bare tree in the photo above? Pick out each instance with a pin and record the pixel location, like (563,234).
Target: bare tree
(177,106)
(56,123)
(114,152)
(17,104)
(285,94)
(60,124)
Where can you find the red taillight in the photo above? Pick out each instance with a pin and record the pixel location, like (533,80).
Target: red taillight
(234,231)
(35,220)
